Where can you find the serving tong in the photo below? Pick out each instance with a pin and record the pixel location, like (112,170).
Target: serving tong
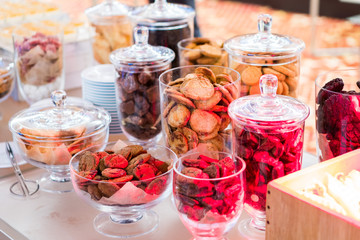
(23,187)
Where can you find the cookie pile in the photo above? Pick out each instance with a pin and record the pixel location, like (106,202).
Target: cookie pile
(104,173)
(202,51)
(252,69)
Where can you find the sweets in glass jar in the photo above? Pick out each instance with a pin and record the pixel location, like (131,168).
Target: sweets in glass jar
(268,132)
(337,113)
(202,51)
(254,55)
(194,103)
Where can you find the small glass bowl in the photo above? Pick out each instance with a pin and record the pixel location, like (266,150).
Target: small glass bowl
(126,212)
(209,207)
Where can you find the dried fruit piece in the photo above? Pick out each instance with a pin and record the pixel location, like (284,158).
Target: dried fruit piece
(197,88)
(204,122)
(209,103)
(144,171)
(191,136)
(108,188)
(115,161)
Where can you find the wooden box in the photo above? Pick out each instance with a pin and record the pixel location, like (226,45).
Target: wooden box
(291,216)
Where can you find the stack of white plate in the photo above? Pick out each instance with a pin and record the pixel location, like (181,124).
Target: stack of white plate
(98,87)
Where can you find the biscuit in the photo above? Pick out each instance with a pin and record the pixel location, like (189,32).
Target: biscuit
(287,71)
(251,75)
(280,76)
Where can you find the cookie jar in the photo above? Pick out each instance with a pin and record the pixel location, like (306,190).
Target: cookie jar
(137,90)
(268,133)
(168,23)
(266,53)
(112,26)
(194,105)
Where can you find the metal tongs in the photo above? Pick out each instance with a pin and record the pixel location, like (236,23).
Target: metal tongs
(25,191)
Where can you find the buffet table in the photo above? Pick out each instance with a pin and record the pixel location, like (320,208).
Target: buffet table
(66,216)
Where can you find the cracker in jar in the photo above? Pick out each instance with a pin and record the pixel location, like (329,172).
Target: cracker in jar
(284,70)
(280,76)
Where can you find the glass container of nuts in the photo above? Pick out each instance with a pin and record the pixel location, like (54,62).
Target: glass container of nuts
(268,133)
(202,51)
(168,23)
(137,90)
(266,53)
(112,28)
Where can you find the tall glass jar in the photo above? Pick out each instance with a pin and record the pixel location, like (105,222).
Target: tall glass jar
(137,90)
(268,132)
(168,23)
(337,113)
(112,28)
(266,53)
(39,62)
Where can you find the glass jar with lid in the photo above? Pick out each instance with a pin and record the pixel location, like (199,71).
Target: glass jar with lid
(48,136)
(268,133)
(266,53)
(113,28)
(137,90)
(168,23)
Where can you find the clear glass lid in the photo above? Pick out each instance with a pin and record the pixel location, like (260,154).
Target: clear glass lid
(163,13)
(264,41)
(61,121)
(142,54)
(108,8)
(268,108)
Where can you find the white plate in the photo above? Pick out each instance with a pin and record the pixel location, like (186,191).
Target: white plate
(4,161)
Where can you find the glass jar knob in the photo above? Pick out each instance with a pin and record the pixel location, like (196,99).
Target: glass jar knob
(58,97)
(264,23)
(268,85)
(141,35)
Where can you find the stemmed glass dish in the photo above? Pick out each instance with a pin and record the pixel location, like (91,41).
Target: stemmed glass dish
(268,133)
(6,78)
(47,137)
(209,192)
(125,201)
(337,112)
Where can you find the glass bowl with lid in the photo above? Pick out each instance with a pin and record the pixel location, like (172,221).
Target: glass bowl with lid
(264,52)
(268,134)
(48,136)
(112,28)
(137,86)
(168,23)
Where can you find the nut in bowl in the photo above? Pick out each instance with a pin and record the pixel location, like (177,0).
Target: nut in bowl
(124,181)
(209,193)
(202,51)
(47,137)
(194,102)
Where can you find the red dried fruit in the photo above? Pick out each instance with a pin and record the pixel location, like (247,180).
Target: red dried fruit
(144,171)
(187,200)
(115,161)
(335,85)
(211,203)
(208,159)
(87,174)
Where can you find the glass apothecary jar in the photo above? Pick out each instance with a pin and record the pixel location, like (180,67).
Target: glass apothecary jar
(254,55)
(137,90)
(168,23)
(112,26)
(268,133)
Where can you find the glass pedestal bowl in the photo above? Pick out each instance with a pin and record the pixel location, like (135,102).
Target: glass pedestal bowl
(126,197)
(209,193)
(47,137)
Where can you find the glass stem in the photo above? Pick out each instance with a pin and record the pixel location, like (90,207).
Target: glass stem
(61,176)
(126,217)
